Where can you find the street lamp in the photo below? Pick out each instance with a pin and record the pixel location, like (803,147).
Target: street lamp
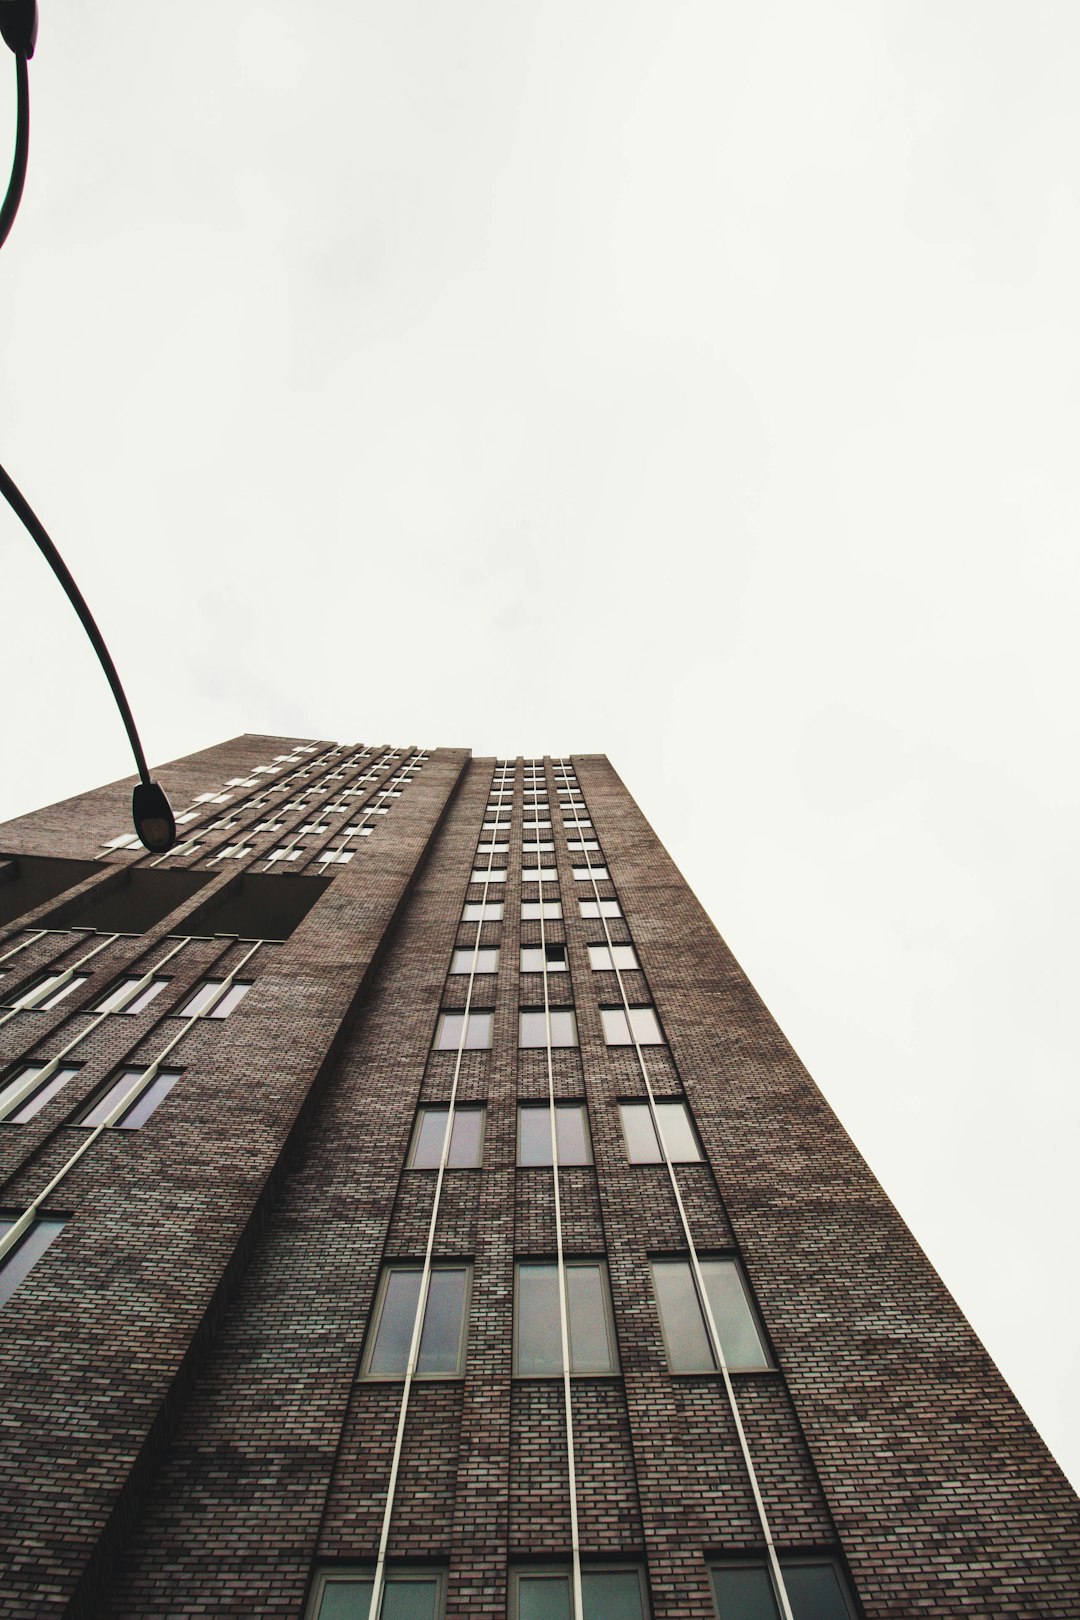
(151,812)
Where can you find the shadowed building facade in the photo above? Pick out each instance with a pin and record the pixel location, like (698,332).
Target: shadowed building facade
(410,1209)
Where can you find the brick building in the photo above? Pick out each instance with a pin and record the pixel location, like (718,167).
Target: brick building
(409,1206)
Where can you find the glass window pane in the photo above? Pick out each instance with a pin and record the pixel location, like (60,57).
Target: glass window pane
(205,993)
(478,1032)
(345,1600)
(39,1098)
(731,1311)
(590,1349)
(534,1136)
(147,1101)
(682,1144)
(232,998)
(440,1340)
(680,1316)
(532,959)
(390,1353)
(486,960)
(572,1134)
(744,1594)
(611,1594)
(145,997)
(536,1324)
(428,1140)
(15,1265)
(532,1029)
(641,1144)
(410,1598)
(544,1597)
(467,1139)
(616,1029)
(563,1027)
(815,1592)
(105,1104)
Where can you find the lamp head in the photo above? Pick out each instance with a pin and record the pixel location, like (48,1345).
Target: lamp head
(18,24)
(151,811)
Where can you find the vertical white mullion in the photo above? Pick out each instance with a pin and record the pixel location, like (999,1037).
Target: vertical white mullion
(775,1572)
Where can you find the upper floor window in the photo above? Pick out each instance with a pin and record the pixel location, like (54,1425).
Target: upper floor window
(614,1592)
(27,1252)
(643,1026)
(571,1133)
(345,1594)
(466,1030)
(494,874)
(482,911)
(578,846)
(539,874)
(531,828)
(544,847)
(599,908)
(532,910)
(141,1099)
(537,958)
(604,958)
(683,1323)
(49,991)
(122,998)
(484,850)
(484,959)
(466,1139)
(536,1024)
(29,1087)
(537,1332)
(586,874)
(642,1146)
(815,1587)
(442,1337)
(209,1002)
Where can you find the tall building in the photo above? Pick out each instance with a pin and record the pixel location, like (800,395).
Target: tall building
(409,1207)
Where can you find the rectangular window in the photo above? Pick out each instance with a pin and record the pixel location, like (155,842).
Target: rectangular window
(442,1338)
(599,908)
(286,854)
(336,857)
(545,847)
(643,1026)
(49,991)
(532,910)
(642,1146)
(27,1090)
(683,1323)
(482,911)
(343,1594)
(603,959)
(203,1003)
(571,1134)
(466,1030)
(534,958)
(143,1100)
(579,824)
(815,1587)
(534,1022)
(537,1338)
(484,850)
(466,1139)
(484,959)
(578,846)
(586,874)
(117,1000)
(496,874)
(539,874)
(27,1252)
(607,1594)
(529,829)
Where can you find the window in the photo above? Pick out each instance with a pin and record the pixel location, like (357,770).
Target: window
(465,1030)
(143,1099)
(497,874)
(117,999)
(269,826)
(642,1146)
(581,824)
(484,960)
(531,910)
(336,857)
(18,1261)
(484,850)
(546,847)
(607,1594)
(599,908)
(49,991)
(684,1325)
(571,1133)
(466,1139)
(539,874)
(642,1027)
(578,846)
(534,1023)
(357,830)
(530,829)
(585,874)
(286,854)
(482,911)
(234,852)
(534,958)
(343,1594)
(603,958)
(816,1590)
(537,1337)
(29,1088)
(203,1005)
(442,1338)
(125,841)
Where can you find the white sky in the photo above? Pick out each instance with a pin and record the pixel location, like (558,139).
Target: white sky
(695,383)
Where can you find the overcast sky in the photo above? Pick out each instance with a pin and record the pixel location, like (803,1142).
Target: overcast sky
(694,383)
